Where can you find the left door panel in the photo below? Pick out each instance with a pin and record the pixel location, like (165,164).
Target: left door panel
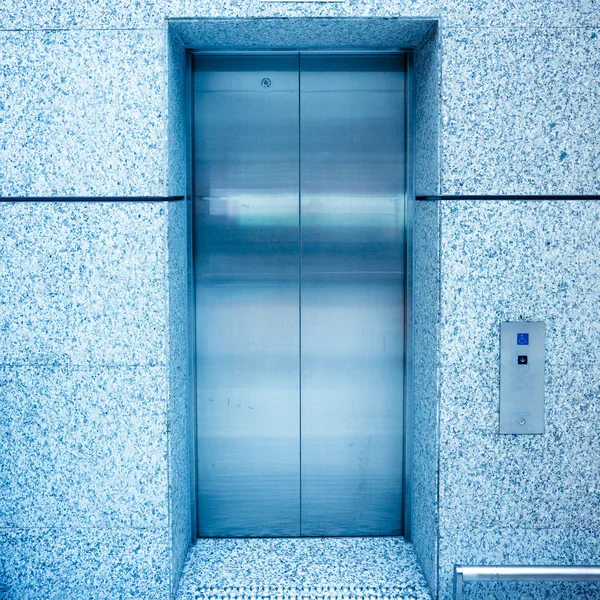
(246,235)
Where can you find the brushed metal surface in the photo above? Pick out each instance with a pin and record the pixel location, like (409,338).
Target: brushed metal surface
(352,187)
(299,253)
(522,406)
(247,302)
(521,573)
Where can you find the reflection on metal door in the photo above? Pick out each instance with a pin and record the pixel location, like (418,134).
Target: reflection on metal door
(247,304)
(299,193)
(352,289)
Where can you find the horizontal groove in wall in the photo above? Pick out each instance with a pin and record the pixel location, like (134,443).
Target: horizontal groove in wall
(177,198)
(505,198)
(90,198)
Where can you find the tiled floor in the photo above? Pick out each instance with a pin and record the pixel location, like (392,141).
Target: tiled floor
(302,569)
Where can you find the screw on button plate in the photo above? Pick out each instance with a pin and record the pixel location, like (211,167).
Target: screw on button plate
(266,82)
(521,421)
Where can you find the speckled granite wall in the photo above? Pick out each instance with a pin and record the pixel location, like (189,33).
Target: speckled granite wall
(92,300)
(84,385)
(426,296)
(82,113)
(426,389)
(520,115)
(177,240)
(179,490)
(519,105)
(427,82)
(94,500)
(519,499)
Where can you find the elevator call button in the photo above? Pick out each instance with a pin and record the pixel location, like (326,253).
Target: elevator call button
(522,408)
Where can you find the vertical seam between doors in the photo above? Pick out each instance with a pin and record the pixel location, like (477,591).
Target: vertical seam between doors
(299,296)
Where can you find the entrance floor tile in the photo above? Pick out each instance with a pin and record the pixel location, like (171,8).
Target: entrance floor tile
(383,568)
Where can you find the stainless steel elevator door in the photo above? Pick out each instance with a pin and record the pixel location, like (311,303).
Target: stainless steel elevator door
(299,184)
(352,186)
(247,303)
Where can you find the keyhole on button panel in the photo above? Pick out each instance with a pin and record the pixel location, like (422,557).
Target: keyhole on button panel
(521,421)
(266,82)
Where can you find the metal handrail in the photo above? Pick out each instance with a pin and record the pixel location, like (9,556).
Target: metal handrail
(521,573)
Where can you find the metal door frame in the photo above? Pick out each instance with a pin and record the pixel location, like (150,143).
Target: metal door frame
(409,201)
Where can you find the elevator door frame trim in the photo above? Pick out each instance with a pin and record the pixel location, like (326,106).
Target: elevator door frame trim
(408,257)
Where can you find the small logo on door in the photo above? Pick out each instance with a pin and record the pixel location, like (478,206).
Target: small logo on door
(266,82)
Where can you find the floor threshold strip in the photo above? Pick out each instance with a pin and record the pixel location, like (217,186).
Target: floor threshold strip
(307,593)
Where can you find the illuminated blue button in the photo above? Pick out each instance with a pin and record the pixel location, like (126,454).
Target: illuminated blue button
(522,339)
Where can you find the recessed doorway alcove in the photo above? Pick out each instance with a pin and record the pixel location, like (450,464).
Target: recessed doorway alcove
(416,38)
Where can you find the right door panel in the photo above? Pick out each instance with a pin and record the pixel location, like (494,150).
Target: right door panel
(352,186)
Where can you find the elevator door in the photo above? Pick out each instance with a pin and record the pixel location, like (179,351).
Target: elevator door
(299,194)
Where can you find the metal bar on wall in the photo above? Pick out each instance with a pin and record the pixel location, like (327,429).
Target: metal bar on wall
(521,573)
